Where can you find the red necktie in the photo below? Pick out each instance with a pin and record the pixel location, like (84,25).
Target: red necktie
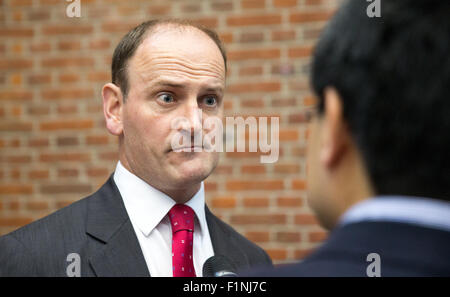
(182,220)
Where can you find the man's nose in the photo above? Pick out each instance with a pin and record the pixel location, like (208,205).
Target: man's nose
(194,114)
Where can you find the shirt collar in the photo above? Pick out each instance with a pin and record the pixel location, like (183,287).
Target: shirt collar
(147,206)
(427,212)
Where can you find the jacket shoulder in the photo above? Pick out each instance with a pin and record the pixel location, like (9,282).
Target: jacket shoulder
(42,245)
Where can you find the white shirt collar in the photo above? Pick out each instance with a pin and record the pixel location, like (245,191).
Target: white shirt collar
(147,206)
(426,212)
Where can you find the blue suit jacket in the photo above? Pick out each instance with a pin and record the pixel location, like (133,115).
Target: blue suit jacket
(404,249)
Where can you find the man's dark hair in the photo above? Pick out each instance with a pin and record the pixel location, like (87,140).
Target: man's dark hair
(393,74)
(131,41)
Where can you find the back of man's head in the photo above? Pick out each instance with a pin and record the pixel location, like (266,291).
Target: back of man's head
(393,75)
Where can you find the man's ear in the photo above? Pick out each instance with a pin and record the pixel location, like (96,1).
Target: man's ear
(112,108)
(335,134)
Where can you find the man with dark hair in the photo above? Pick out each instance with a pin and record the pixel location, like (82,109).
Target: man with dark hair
(379,146)
(150,217)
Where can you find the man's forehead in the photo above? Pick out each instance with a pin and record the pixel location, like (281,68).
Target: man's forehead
(181,44)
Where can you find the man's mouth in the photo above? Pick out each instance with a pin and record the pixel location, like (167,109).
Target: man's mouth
(192,148)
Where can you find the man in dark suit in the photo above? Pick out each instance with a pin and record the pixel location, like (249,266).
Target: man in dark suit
(150,217)
(379,146)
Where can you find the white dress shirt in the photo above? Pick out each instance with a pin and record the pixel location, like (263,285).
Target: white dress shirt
(426,212)
(147,208)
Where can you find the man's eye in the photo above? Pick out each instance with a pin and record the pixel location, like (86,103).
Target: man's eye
(210,101)
(166,98)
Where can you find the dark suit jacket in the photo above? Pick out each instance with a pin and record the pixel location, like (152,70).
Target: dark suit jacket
(404,249)
(99,230)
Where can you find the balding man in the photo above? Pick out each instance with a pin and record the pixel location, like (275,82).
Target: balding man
(150,217)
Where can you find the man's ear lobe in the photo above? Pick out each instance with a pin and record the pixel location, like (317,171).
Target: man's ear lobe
(335,132)
(112,108)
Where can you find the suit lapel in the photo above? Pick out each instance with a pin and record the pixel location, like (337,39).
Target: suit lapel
(115,249)
(223,241)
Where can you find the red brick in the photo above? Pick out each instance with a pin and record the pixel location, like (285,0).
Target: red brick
(255,87)
(67,62)
(38,174)
(40,46)
(317,236)
(253,169)
(256,202)
(222,5)
(118,26)
(60,157)
(289,202)
(97,172)
(69,45)
(99,44)
(224,202)
(16,3)
(67,141)
(18,159)
(300,52)
(159,9)
(36,205)
(250,37)
(253,54)
(287,168)
(283,35)
(251,4)
(298,184)
(250,71)
(302,253)
(289,135)
(253,103)
(97,139)
(37,79)
(305,219)
(16,32)
(38,142)
(254,20)
(308,17)
(284,102)
(67,29)
(249,219)
(284,3)
(258,236)
(15,64)
(277,254)
(15,95)
(15,126)
(209,186)
(66,125)
(67,78)
(99,76)
(66,188)
(240,185)
(15,221)
(10,189)
(68,172)
(39,15)
(285,236)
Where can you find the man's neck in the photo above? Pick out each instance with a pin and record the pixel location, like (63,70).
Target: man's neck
(179,195)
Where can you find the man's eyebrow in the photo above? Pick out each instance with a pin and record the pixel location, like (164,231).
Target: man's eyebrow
(171,84)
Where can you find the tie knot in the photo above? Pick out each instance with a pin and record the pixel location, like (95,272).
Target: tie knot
(181,217)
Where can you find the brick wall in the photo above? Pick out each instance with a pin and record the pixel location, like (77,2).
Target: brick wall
(54,148)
